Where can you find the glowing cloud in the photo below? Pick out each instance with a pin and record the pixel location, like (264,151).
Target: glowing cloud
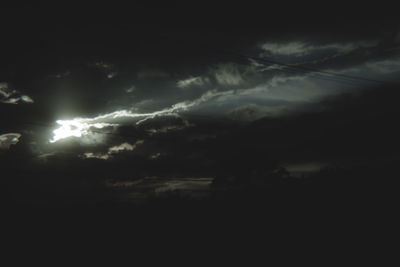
(81,127)
(78,127)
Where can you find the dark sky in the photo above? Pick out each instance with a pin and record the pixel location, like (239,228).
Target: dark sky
(190,90)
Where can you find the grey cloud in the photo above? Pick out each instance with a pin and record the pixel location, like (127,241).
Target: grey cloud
(155,156)
(103,65)
(292,48)
(124,146)
(228,74)
(253,112)
(112,151)
(373,69)
(143,188)
(112,74)
(91,155)
(264,90)
(299,169)
(8,139)
(188,184)
(144,104)
(175,126)
(397,39)
(276,80)
(386,66)
(12,96)
(193,81)
(298,48)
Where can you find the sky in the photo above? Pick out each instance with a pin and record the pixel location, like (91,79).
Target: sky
(182,91)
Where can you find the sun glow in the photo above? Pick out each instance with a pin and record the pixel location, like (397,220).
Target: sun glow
(74,128)
(80,127)
(68,128)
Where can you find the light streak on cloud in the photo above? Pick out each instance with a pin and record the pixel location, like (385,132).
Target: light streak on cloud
(81,127)
(302,48)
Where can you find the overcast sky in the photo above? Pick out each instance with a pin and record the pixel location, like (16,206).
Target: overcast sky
(158,84)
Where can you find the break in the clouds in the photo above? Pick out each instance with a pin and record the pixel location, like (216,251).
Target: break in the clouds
(253,112)
(124,146)
(130,89)
(62,74)
(6,140)
(386,66)
(12,96)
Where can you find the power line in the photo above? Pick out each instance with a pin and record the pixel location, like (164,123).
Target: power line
(320,77)
(308,69)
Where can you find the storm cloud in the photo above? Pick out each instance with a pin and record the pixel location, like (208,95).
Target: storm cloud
(234,102)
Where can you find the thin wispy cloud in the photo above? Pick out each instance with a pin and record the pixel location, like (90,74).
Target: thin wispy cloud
(228,74)
(193,81)
(299,48)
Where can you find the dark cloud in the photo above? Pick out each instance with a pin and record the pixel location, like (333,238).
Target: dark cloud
(172,100)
